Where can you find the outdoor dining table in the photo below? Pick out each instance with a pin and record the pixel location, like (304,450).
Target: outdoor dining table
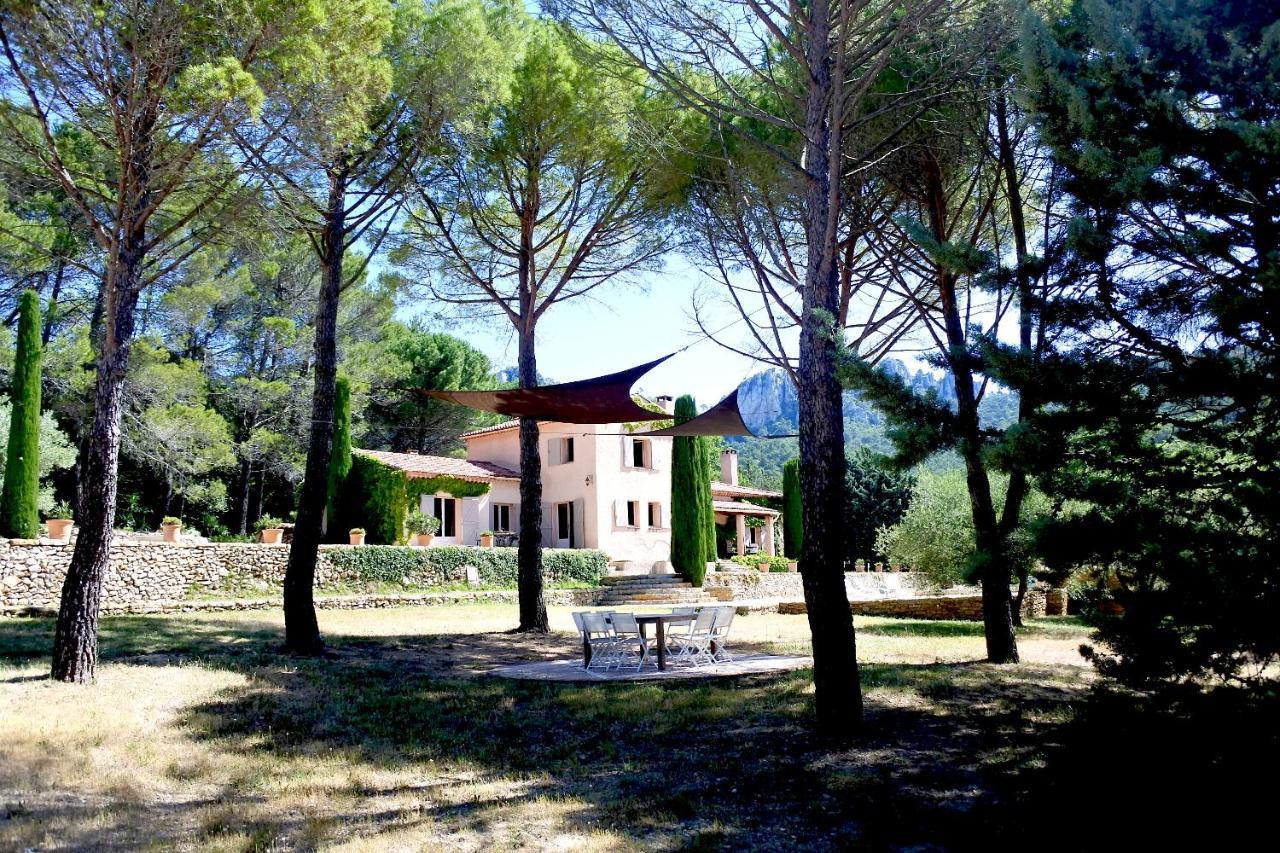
(660,621)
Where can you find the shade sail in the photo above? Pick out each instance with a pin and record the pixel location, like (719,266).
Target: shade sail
(721,419)
(600,400)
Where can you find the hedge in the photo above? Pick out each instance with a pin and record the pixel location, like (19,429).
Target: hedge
(375,494)
(447,564)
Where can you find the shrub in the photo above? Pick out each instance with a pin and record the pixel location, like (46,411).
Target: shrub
(419,523)
(755,561)
(792,525)
(61,509)
(438,566)
(375,496)
(171,520)
(688,528)
(356,531)
(267,522)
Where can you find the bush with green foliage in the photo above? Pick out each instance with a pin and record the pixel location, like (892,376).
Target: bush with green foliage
(61,509)
(267,522)
(756,561)
(19,499)
(171,521)
(340,460)
(375,496)
(420,524)
(447,564)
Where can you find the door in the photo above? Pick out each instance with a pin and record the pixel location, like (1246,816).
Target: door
(445,508)
(563,525)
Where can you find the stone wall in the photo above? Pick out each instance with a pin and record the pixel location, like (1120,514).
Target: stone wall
(961,607)
(859,586)
(145,574)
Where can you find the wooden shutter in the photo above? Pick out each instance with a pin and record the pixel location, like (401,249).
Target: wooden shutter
(471,521)
(579,523)
(554,450)
(548,524)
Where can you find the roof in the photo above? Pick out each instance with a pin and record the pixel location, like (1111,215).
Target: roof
(421,465)
(512,424)
(718,488)
(742,507)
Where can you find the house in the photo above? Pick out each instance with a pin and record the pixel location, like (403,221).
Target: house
(733,505)
(602,488)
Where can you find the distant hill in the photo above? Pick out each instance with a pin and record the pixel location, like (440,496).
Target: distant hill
(770,407)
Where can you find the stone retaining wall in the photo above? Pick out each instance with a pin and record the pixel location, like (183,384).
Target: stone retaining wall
(962,607)
(859,586)
(148,574)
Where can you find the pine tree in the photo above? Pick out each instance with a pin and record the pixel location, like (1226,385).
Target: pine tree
(339,461)
(878,498)
(19,516)
(688,530)
(792,524)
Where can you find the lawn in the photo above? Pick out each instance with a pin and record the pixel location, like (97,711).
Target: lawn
(200,735)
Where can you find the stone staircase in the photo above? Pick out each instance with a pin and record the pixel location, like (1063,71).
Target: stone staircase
(651,589)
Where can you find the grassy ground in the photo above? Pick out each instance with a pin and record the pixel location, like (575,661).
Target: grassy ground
(200,735)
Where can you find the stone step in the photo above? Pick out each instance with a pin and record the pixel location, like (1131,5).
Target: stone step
(657,599)
(631,579)
(641,587)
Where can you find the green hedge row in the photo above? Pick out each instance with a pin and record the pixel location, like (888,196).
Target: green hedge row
(447,564)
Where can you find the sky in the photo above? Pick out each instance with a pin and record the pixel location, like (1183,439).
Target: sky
(622,325)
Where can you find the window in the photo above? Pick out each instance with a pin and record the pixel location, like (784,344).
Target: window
(655,514)
(560,451)
(639,453)
(446,510)
(501,518)
(633,513)
(564,522)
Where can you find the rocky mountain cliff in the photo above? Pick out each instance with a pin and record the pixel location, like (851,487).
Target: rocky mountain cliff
(770,407)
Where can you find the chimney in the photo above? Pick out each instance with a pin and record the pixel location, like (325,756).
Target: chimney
(667,404)
(729,466)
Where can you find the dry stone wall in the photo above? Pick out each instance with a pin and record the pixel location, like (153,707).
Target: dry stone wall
(147,576)
(961,607)
(858,586)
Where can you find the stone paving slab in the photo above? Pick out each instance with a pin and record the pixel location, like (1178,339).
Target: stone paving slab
(570,670)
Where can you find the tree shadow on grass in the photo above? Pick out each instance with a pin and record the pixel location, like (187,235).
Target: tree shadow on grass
(728,764)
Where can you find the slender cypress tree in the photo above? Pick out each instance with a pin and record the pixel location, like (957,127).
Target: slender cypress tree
(708,447)
(792,526)
(19,515)
(340,460)
(688,466)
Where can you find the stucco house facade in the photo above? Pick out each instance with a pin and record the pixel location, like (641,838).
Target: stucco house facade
(602,488)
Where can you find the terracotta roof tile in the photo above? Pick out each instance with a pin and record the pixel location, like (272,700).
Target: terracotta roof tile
(742,507)
(718,488)
(495,428)
(421,465)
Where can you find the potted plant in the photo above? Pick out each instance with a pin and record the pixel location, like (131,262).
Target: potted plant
(423,527)
(171,525)
(59,521)
(357,535)
(486,539)
(269,529)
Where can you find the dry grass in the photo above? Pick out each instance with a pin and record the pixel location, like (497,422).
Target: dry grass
(200,735)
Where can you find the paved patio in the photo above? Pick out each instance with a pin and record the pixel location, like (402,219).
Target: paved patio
(570,670)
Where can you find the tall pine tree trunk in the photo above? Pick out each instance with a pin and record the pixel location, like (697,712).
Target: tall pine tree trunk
(75,643)
(301,630)
(533,609)
(991,544)
(837,692)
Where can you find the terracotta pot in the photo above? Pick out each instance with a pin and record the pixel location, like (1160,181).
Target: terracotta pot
(793,566)
(486,541)
(171,531)
(356,538)
(422,540)
(59,528)
(271,535)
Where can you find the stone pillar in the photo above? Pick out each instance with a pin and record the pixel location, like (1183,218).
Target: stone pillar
(740,522)
(768,537)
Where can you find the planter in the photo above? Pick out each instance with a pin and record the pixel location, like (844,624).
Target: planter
(486,541)
(422,540)
(59,528)
(356,538)
(271,535)
(793,565)
(171,531)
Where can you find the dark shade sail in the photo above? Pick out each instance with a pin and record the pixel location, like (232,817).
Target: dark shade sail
(721,419)
(600,400)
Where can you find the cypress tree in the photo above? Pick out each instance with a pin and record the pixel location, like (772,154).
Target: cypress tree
(339,459)
(792,529)
(688,530)
(19,515)
(704,493)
